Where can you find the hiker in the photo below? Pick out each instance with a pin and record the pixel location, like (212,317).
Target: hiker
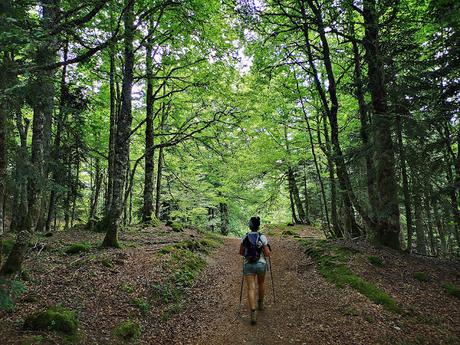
(254,247)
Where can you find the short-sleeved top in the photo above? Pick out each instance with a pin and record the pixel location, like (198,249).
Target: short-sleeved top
(264,242)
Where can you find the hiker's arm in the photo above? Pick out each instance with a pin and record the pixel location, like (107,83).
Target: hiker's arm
(266,250)
(241,249)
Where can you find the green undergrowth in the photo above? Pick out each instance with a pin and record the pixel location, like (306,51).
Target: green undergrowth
(10,290)
(128,330)
(375,261)
(77,248)
(331,261)
(451,289)
(185,260)
(421,276)
(6,246)
(57,318)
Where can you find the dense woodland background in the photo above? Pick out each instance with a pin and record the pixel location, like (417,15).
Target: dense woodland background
(201,113)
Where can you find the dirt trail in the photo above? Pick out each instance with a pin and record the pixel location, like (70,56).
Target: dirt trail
(308,310)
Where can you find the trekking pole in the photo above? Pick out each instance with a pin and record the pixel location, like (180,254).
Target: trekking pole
(241,289)
(271,275)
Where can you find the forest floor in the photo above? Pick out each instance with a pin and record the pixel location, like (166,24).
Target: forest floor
(196,300)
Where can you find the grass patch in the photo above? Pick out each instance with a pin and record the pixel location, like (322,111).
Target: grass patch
(331,261)
(184,264)
(142,304)
(76,248)
(56,319)
(6,246)
(128,330)
(421,276)
(127,287)
(171,310)
(451,289)
(9,291)
(375,261)
(33,340)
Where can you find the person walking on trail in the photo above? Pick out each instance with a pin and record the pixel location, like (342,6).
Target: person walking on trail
(254,247)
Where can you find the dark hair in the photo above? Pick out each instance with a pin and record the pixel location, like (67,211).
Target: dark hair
(254,223)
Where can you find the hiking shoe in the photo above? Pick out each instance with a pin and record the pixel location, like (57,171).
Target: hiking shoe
(253,317)
(260,304)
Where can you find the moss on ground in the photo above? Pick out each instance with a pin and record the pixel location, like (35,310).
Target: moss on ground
(421,276)
(451,289)
(332,265)
(6,246)
(375,261)
(80,247)
(56,319)
(128,330)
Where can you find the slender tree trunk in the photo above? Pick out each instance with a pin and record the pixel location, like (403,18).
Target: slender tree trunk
(112,132)
(6,78)
(97,189)
(42,104)
(164,114)
(332,109)
(338,231)
(158,186)
(429,223)
(388,226)
(121,157)
(315,159)
(364,130)
(147,209)
(296,196)
(419,227)
(295,220)
(440,227)
(55,156)
(223,218)
(20,197)
(75,190)
(405,185)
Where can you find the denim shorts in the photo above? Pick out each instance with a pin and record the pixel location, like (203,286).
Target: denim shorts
(254,268)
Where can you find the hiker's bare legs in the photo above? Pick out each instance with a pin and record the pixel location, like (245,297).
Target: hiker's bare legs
(261,284)
(251,284)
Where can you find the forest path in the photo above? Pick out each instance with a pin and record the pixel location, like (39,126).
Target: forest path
(308,310)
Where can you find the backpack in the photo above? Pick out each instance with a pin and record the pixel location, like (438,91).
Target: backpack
(252,247)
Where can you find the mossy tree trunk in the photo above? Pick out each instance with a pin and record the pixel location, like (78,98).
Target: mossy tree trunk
(387,213)
(121,149)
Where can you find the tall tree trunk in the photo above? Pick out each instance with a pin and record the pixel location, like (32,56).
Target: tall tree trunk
(295,220)
(164,114)
(95,195)
(387,217)
(55,156)
(158,185)
(42,103)
(419,226)
(112,132)
(296,196)
(223,218)
(364,130)
(405,184)
(6,77)
(147,208)
(121,155)
(332,109)
(20,196)
(315,159)
(439,226)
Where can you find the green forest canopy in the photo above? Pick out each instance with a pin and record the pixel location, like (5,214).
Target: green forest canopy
(343,115)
